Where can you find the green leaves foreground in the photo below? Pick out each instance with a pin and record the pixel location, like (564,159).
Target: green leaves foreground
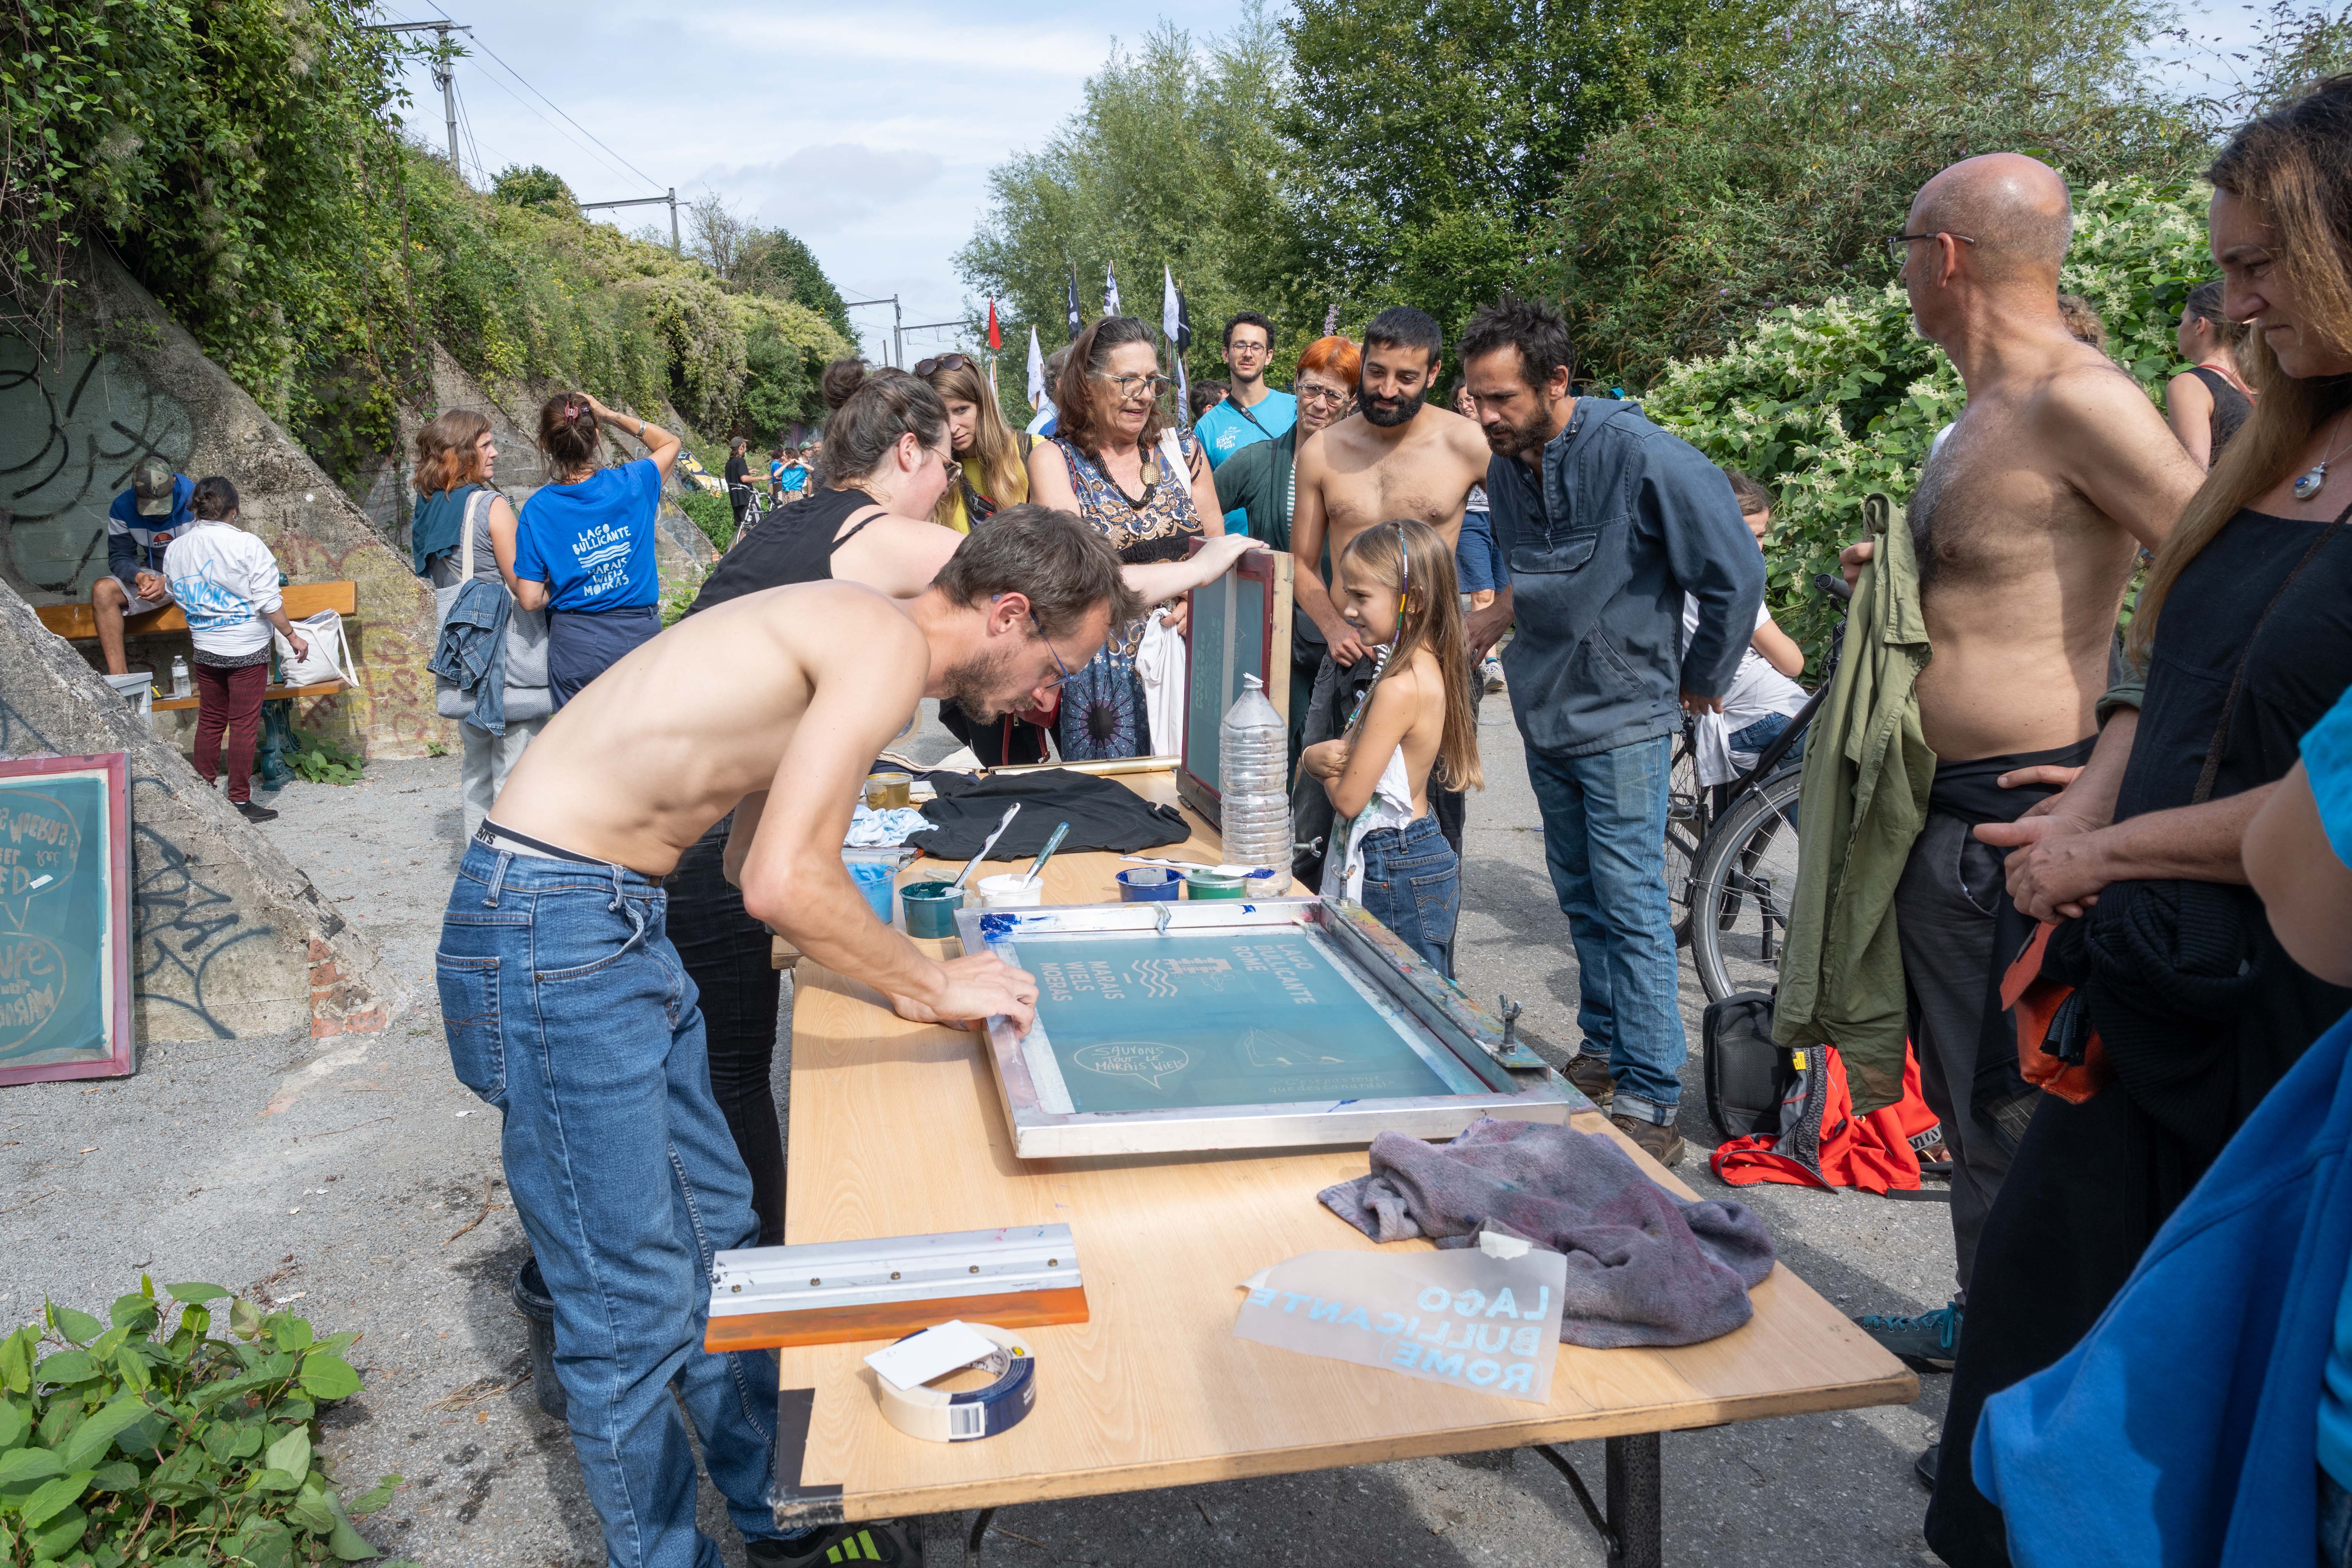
(152,1441)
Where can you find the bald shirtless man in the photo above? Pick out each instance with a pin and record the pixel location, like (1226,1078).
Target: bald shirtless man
(2026,523)
(1398,456)
(566,1006)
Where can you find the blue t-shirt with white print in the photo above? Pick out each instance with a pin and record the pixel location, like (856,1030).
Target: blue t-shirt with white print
(593,542)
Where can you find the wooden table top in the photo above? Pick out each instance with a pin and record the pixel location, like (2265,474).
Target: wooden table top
(896,1130)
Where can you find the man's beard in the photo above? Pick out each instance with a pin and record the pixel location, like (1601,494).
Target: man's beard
(1389,418)
(1505,439)
(972,686)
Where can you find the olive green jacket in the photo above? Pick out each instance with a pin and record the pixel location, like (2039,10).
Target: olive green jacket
(1867,773)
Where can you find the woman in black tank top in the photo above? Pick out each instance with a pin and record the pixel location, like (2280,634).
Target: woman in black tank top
(2207,402)
(888,437)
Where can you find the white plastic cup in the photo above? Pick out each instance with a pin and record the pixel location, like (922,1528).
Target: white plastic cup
(1010,891)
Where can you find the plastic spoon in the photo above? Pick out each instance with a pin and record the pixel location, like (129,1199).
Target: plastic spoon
(973,864)
(1051,844)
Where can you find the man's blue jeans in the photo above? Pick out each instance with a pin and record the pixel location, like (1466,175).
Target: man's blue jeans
(567,1009)
(1604,820)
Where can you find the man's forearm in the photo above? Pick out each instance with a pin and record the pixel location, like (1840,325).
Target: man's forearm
(1487,626)
(2091,797)
(834,926)
(1309,594)
(2192,843)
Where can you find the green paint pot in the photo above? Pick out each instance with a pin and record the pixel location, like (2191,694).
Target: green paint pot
(1212,885)
(930,907)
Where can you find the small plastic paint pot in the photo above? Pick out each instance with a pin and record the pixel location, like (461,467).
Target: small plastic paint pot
(1265,884)
(1012,890)
(888,792)
(930,907)
(1149,885)
(1212,885)
(873,878)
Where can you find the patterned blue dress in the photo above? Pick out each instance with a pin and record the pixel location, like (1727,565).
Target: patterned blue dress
(1102,712)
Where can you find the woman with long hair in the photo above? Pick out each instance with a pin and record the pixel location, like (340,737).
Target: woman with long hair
(1119,461)
(993,472)
(2207,402)
(457,462)
(586,542)
(2245,632)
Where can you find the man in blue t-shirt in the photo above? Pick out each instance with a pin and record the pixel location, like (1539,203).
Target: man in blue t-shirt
(1252,411)
(140,525)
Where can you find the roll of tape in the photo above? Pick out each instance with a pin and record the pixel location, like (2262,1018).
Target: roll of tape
(940,1416)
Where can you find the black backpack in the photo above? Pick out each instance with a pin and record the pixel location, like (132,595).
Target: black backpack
(1750,1080)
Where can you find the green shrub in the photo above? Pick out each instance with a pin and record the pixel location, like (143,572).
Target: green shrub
(318,760)
(1827,403)
(712,514)
(156,1442)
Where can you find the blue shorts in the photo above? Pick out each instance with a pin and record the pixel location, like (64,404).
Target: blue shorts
(1476,560)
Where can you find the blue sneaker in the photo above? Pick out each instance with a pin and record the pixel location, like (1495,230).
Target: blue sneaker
(1930,1341)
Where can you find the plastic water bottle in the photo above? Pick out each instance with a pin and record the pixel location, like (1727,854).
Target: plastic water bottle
(180,681)
(1252,779)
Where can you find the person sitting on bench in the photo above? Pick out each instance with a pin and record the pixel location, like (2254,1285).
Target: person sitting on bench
(140,526)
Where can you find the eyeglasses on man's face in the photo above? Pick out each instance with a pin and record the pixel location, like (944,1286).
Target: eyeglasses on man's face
(1131,387)
(1059,663)
(1895,243)
(1247,347)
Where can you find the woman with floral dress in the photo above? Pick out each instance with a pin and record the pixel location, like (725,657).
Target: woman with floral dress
(1119,461)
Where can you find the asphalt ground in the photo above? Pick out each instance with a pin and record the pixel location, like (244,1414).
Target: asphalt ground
(360,1183)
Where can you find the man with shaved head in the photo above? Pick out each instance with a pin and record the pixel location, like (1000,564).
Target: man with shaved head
(2025,524)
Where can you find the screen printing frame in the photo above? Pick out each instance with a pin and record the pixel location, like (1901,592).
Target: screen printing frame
(1520,1088)
(1219,649)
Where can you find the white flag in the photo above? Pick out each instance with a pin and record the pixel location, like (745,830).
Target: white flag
(1038,394)
(1171,312)
(1111,290)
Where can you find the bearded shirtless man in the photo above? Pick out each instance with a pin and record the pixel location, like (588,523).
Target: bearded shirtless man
(566,1006)
(1398,456)
(2026,523)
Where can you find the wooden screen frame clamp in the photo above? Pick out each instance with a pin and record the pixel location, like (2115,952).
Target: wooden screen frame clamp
(833,1292)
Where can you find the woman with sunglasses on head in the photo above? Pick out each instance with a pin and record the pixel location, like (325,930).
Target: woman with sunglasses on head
(1121,463)
(993,456)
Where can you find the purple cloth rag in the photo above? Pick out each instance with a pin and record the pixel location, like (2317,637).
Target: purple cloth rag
(1643,1267)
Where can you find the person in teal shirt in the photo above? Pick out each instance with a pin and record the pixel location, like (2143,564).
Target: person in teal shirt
(1252,411)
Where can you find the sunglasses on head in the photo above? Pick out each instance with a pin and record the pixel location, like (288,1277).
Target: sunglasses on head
(924,367)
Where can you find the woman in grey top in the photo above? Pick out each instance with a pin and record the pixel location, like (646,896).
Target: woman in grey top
(456,457)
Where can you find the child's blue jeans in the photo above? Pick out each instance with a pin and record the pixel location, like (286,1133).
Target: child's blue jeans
(1413,885)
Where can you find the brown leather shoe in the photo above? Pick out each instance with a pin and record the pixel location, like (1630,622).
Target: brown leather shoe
(1662,1144)
(1590,1074)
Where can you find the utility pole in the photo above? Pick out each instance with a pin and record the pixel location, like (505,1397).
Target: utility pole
(897,330)
(645,201)
(926,326)
(444,74)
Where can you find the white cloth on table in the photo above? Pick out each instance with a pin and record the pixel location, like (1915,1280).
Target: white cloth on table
(871,829)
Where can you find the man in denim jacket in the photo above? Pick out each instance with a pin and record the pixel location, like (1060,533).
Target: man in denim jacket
(1606,521)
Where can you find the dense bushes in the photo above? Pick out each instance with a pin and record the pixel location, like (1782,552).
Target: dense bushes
(1826,403)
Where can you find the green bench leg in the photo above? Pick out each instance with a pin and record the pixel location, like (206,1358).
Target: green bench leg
(270,768)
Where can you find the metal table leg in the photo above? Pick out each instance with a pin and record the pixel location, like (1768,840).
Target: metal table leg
(1634,1528)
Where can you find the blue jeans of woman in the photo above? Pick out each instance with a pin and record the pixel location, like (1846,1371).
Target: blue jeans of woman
(1413,885)
(567,1009)
(1763,732)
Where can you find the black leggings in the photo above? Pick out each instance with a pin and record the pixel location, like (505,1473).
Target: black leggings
(728,955)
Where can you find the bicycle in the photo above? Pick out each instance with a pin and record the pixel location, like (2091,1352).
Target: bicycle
(1733,912)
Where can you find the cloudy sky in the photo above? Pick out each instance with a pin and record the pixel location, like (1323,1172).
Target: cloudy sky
(868,130)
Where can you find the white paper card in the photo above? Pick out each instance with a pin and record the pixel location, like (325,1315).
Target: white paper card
(934,1352)
(1461,1317)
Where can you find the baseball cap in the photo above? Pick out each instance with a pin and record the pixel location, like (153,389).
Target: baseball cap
(153,482)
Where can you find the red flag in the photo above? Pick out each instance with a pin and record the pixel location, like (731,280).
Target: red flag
(995,338)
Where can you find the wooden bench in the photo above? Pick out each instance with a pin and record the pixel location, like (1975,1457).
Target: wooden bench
(78,623)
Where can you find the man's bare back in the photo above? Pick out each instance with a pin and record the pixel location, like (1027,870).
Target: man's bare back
(2025,526)
(1355,474)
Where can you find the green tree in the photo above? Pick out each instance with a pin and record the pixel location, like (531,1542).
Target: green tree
(533,186)
(777,263)
(1676,229)
(1171,160)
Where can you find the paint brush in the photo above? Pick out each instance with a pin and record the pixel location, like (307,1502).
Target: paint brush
(973,864)
(1051,844)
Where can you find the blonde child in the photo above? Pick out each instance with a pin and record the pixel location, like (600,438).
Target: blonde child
(1415,720)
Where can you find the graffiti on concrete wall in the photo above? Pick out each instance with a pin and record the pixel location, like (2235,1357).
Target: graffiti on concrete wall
(68,441)
(180,924)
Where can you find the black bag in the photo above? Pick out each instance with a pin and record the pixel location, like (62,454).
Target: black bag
(1747,1075)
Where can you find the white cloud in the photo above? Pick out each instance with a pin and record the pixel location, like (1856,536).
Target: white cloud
(820,190)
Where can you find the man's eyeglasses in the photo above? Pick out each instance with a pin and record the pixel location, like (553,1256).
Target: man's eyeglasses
(924,367)
(1321,394)
(1895,242)
(1133,386)
(1247,348)
(1058,662)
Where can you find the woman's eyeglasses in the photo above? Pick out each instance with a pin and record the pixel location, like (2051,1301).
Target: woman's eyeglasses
(1131,387)
(1321,394)
(924,367)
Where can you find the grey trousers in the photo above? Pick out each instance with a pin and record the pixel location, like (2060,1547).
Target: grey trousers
(488,759)
(1944,916)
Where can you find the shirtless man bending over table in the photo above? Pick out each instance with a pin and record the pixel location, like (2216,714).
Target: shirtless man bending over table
(566,1006)
(1398,456)
(2026,523)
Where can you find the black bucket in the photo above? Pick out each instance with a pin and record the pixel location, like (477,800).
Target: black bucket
(538,1307)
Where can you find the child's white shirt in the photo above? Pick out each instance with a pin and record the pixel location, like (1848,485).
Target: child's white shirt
(226,582)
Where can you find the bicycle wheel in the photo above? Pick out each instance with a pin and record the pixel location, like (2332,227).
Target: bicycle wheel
(1740,895)
(1686,824)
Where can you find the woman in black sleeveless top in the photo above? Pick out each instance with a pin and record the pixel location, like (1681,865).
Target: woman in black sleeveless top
(2207,402)
(2245,631)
